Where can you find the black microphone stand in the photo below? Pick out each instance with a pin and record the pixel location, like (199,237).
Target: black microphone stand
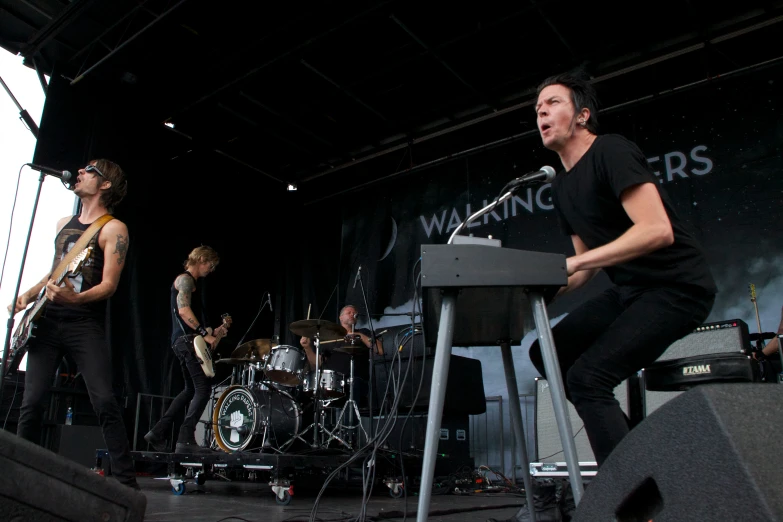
(373,341)
(10,323)
(254,320)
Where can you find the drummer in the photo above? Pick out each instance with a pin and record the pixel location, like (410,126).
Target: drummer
(339,361)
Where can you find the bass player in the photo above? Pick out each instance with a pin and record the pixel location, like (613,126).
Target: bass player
(74,316)
(187,322)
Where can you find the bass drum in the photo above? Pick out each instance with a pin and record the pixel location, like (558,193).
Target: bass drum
(248,419)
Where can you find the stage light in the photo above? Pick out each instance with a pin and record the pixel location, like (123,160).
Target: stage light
(291,187)
(169,125)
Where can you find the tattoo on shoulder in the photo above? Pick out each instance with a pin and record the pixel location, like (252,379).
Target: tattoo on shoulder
(184,284)
(121,248)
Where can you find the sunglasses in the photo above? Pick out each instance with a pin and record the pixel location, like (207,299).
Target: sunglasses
(94,169)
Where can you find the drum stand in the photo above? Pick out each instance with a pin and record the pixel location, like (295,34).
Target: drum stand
(317,410)
(350,403)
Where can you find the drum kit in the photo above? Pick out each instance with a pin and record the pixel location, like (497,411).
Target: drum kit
(272,395)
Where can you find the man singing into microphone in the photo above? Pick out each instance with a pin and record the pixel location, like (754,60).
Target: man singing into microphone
(621,221)
(74,317)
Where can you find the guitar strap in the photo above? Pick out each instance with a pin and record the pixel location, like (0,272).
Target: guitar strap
(82,242)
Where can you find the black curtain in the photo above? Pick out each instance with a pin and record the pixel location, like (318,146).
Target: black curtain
(178,198)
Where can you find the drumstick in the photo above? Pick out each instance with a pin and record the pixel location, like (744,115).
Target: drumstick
(308,310)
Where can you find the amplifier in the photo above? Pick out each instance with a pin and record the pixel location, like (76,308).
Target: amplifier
(729,336)
(549,448)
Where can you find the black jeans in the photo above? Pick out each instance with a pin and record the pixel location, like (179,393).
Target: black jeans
(611,337)
(84,339)
(194,397)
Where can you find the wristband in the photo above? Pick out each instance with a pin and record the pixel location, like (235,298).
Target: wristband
(202,331)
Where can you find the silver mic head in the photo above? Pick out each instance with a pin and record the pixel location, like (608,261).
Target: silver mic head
(550,173)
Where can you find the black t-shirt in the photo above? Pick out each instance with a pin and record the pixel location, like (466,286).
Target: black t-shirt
(587,201)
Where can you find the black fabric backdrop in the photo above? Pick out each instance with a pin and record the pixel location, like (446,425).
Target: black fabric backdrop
(717,149)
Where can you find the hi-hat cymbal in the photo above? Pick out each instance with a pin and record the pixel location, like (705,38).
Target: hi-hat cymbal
(308,328)
(353,346)
(251,350)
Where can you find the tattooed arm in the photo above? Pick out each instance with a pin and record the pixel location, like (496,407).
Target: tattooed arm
(185,286)
(113,240)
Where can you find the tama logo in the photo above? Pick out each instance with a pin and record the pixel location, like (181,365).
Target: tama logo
(694,370)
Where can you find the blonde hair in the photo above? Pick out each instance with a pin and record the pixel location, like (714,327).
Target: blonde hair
(202,254)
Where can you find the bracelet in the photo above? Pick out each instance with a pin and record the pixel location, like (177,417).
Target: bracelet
(202,331)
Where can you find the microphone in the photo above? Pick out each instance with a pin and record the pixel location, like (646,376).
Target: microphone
(544,175)
(62,174)
(357,276)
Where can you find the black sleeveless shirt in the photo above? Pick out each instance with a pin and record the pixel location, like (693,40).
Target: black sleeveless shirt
(90,274)
(178,325)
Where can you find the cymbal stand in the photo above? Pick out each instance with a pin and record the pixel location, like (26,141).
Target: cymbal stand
(317,390)
(350,403)
(316,397)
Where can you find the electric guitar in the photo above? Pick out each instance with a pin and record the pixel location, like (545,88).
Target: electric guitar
(25,332)
(203,350)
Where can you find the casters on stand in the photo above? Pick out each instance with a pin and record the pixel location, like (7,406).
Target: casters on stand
(283,491)
(395,487)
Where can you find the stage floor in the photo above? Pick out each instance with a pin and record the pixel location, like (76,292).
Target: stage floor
(254,502)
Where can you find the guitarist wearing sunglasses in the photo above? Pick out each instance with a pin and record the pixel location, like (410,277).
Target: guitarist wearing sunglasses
(187,323)
(75,312)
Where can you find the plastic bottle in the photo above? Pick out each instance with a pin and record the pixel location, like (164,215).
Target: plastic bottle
(69,416)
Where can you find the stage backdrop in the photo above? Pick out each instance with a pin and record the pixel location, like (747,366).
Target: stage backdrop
(715,149)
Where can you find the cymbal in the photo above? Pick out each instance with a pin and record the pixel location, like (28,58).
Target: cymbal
(762,335)
(255,349)
(308,328)
(352,347)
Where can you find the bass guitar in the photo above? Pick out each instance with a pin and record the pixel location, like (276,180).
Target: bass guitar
(204,351)
(25,332)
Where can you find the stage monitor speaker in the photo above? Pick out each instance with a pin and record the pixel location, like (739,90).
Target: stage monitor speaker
(549,447)
(710,454)
(79,443)
(37,485)
(730,336)
(464,388)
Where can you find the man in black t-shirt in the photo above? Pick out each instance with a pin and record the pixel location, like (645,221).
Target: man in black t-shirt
(610,203)
(334,359)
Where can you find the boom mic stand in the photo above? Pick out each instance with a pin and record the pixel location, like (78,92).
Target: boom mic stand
(373,341)
(10,323)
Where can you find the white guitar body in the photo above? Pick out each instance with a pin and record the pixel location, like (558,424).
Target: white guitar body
(203,350)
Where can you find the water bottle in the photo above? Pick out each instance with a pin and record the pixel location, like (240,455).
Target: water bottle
(69,416)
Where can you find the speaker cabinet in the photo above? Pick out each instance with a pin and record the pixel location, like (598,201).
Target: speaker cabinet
(548,445)
(729,336)
(38,485)
(709,454)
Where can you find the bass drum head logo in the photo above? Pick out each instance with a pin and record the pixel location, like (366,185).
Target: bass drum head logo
(235,419)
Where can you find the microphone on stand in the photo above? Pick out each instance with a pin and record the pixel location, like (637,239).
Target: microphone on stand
(544,175)
(61,174)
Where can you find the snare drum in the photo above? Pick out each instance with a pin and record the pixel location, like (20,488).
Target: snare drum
(286,365)
(332,384)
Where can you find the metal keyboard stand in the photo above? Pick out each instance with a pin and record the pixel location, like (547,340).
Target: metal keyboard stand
(511,281)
